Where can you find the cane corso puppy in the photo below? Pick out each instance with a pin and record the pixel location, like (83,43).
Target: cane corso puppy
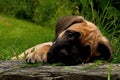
(76,41)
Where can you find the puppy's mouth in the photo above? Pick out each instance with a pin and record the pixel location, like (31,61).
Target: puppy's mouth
(68,54)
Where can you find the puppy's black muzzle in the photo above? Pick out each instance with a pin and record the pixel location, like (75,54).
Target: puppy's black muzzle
(66,54)
(66,50)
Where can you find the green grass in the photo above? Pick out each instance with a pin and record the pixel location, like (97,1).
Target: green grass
(18,35)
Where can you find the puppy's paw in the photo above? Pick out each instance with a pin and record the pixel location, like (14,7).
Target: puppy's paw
(39,55)
(36,57)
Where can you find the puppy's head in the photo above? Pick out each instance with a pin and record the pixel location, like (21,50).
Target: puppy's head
(78,41)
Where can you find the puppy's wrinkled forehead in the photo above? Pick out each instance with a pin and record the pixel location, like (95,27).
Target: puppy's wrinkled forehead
(78,24)
(85,28)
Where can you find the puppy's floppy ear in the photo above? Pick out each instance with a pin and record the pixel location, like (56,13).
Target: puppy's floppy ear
(67,21)
(104,49)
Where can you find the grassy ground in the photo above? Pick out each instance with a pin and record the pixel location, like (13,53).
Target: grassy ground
(18,35)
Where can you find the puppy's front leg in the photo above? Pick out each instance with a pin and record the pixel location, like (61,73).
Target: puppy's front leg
(37,53)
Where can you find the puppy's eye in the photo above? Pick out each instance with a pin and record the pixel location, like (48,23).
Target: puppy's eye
(73,34)
(70,33)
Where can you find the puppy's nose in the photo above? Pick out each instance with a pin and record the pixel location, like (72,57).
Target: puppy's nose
(63,52)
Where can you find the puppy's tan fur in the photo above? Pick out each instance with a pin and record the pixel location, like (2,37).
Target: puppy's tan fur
(90,35)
